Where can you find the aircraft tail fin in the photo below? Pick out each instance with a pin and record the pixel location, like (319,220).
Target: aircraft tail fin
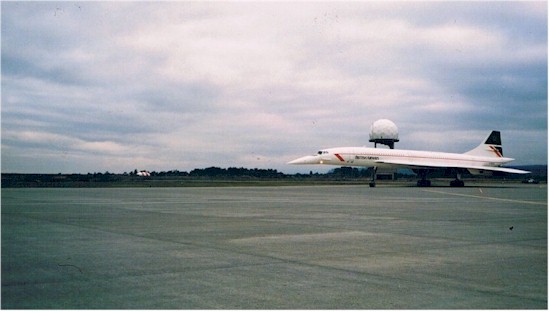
(490,147)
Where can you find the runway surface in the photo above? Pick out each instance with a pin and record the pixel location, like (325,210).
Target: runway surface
(317,247)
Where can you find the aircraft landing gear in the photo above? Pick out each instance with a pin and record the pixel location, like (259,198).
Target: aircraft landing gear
(457,182)
(373,179)
(423,182)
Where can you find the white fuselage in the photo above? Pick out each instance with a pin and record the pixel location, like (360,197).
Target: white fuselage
(486,157)
(378,157)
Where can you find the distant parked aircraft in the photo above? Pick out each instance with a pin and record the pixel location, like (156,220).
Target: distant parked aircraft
(486,157)
(144,173)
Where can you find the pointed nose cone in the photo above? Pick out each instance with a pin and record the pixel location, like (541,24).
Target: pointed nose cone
(307,160)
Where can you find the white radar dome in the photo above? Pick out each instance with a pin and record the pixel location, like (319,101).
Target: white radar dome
(384,131)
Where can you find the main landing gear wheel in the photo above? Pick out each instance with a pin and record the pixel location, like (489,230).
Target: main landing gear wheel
(457,183)
(424,183)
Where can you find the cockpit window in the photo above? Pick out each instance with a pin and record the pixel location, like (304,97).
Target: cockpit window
(322,152)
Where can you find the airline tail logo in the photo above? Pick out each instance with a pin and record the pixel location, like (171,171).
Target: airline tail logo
(495,144)
(497,150)
(494,138)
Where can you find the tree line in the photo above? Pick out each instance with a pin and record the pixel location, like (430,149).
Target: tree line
(210,173)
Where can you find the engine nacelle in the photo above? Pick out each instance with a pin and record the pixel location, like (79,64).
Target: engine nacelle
(480,172)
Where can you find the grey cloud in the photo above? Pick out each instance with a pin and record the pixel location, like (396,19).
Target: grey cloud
(183,98)
(141,84)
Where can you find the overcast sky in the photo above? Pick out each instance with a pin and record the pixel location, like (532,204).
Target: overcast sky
(118,86)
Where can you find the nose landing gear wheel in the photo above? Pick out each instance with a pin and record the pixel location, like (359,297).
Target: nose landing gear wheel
(373,178)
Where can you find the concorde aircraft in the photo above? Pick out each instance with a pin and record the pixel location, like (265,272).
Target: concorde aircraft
(487,157)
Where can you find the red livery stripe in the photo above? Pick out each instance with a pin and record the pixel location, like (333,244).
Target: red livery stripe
(339,157)
(496,151)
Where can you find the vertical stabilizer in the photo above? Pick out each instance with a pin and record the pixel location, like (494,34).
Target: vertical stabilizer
(490,147)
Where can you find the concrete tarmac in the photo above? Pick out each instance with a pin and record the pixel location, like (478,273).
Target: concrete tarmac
(315,247)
